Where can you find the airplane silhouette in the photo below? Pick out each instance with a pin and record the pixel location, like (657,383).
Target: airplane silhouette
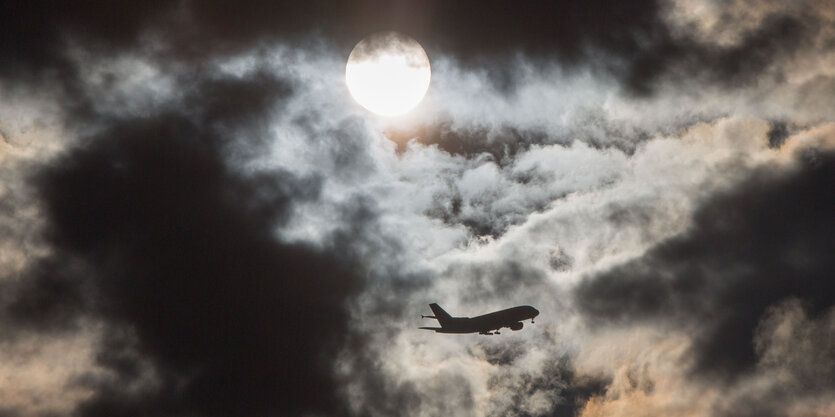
(486,324)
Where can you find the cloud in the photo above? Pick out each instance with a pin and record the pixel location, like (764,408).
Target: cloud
(747,249)
(466,29)
(637,43)
(795,366)
(155,236)
(196,211)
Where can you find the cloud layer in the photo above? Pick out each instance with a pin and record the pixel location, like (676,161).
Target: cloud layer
(197,219)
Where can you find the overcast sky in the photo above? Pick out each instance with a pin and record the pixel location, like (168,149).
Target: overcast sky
(196,218)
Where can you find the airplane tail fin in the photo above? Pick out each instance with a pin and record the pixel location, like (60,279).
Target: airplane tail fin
(443,317)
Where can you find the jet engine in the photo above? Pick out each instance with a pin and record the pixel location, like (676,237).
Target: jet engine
(516,326)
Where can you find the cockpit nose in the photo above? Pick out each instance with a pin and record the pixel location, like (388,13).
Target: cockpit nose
(535,312)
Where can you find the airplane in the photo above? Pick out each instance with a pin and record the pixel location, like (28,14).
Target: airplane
(486,324)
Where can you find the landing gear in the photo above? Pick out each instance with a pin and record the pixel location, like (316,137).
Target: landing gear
(532,322)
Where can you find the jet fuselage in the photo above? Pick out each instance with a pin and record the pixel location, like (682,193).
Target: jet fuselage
(511,318)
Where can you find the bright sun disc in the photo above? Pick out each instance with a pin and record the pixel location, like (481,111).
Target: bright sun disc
(388,73)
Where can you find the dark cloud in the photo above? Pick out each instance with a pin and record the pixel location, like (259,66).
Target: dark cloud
(630,40)
(776,38)
(507,279)
(672,58)
(38,29)
(543,28)
(798,349)
(383,394)
(560,261)
(448,392)
(342,145)
(557,380)
(502,144)
(777,134)
(389,397)
(9,412)
(765,240)
(236,105)
(154,233)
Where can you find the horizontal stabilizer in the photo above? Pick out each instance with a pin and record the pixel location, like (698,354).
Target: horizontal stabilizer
(430,328)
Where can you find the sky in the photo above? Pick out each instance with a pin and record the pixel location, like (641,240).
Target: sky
(198,220)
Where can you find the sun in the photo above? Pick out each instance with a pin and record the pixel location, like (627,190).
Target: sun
(388,73)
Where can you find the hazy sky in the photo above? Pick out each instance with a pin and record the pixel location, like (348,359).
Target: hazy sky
(196,218)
